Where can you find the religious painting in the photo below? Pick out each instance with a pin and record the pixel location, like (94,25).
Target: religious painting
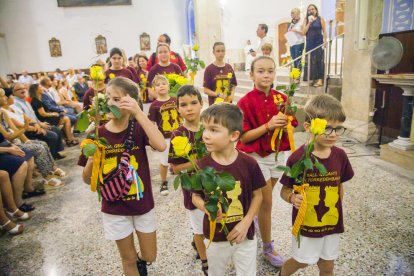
(54,47)
(85,3)
(144,41)
(100,42)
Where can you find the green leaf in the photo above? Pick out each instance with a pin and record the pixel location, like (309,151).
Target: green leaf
(285,169)
(281,87)
(212,208)
(176,182)
(196,182)
(321,168)
(225,181)
(209,170)
(91,136)
(105,109)
(208,183)
(297,169)
(103,141)
(89,150)
(115,110)
(202,64)
(224,203)
(308,163)
(92,112)
(185,182)
(83,121)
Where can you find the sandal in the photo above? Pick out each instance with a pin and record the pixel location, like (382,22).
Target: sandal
(275,260)
(37,192)
(204,267)
(71,143)
(25,216)
(26,207)
(54,182)
(59,172)
(16,230)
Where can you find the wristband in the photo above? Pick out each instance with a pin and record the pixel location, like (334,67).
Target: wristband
(290,198)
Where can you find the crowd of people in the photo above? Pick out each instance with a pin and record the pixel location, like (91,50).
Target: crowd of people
(38,114)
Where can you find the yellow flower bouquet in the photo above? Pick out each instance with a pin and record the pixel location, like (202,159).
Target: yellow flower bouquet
(194,64)
(175,82)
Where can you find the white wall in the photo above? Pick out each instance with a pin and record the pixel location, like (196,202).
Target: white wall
(241,17)
(28,25)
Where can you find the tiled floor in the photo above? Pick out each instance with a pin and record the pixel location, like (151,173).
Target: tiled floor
(65,235)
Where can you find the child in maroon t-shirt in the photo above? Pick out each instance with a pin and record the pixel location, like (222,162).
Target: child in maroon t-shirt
(189,106)
(164,66)
(116,69)
(261,117)
(163,112)
(219,78)
(222,128)
(121,218)
(323,221)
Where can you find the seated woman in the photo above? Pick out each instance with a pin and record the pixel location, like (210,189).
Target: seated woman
(16,163)
(66,97)
(53,118)
(42,156)
(6,192)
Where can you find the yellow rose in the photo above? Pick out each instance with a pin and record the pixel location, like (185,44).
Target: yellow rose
(318,126)
(294,74)
(142,76)
(195,47)
(219,100)
(229,75)
(111,76)
(181,80)
(181,146)
(96,73)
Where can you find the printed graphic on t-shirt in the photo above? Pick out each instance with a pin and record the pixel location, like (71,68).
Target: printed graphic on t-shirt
(322,201)
(222,84)
(111,163)
(169,117)
(235,211)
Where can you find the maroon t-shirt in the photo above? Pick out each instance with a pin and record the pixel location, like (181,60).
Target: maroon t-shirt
(134,73)
(248,177)
(324,211)
(129,205)
(161,70)
(110,74)
(257,110)
(216,79)
(165,115)
(183,131)
(174,58)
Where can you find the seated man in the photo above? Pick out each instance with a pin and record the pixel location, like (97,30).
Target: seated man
(80,88)
(52,135)
(51,104)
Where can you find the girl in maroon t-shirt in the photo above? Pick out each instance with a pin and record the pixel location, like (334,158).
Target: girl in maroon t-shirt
(261,117)
(142,61)
(164,66)
(116,68)
(219,78)
(133,213)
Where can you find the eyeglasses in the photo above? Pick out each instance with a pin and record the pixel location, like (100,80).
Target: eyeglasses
(338,130)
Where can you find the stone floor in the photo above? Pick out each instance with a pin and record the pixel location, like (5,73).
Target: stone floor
(65,235)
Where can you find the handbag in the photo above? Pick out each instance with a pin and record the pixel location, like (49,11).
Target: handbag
(117,183)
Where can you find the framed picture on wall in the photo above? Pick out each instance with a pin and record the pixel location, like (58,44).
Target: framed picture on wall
(145,42)
(100,42)
(85,3)
(54,47)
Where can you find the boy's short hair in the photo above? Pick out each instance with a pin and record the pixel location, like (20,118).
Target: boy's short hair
(267,46)
(264,27)
(324,107)
(228,115)
(190,90)
(159,78)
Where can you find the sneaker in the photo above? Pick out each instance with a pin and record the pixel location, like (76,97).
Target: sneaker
(142,267)
(164,188)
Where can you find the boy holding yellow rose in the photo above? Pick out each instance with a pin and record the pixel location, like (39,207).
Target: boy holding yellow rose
(323,219)
(182,148)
